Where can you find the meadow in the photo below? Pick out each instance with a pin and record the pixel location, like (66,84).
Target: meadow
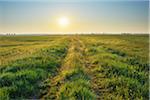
(74,67)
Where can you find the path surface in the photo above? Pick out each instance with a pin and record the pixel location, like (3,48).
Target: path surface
(73,60)
(97,77)
(75,66)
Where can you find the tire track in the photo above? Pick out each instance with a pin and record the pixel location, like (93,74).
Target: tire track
(94,70)
(72,72)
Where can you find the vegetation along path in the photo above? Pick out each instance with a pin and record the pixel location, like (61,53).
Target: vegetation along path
(72,81)
(74,67)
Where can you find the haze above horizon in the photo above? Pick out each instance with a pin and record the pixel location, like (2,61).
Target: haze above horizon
(41,16)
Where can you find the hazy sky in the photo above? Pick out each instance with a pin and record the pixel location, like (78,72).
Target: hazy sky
(26,16)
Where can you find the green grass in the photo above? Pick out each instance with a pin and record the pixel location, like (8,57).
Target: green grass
(122,70)
(72,83)
(25,77)
(83,67)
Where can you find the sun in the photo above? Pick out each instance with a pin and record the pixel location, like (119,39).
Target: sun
(63,21)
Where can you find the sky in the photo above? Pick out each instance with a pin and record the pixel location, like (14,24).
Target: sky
(41,16)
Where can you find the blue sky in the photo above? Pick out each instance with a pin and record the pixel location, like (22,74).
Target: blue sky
(84,15)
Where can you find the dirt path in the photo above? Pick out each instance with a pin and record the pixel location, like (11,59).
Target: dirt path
(55,80)
(77,65)
(96,81)
(73,67)
(97,78)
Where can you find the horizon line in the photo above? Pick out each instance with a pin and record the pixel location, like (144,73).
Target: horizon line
(62,33)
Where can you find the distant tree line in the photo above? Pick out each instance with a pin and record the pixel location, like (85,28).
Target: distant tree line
(10,34)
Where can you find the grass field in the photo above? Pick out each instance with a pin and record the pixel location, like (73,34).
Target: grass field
(74,67)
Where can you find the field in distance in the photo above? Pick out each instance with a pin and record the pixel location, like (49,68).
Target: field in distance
(74,67)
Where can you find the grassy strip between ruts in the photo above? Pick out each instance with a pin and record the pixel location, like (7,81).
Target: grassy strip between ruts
(72,82)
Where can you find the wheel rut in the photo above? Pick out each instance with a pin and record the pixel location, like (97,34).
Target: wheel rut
(72,68)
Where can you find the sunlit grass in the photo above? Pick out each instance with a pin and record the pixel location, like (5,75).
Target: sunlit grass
(74,67)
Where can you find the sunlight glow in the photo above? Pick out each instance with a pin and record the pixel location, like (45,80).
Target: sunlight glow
(63,21)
